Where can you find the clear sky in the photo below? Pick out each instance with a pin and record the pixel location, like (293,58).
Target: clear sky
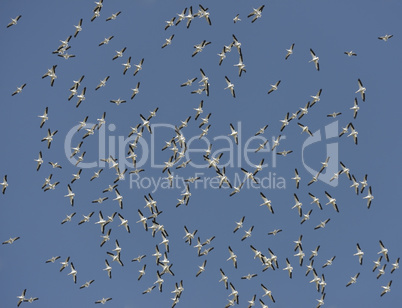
(329,28)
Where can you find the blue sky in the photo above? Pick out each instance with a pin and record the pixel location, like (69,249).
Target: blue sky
(328,28)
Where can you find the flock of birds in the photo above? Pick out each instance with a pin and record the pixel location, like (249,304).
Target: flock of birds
(177,144)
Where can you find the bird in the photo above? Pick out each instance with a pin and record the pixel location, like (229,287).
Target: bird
(234,293)
(386,288)
(118,101)
(181,16)
(284,152)
(266,202)
(224,278)
(102,222)
(274,87)
(314,252)
(19,89)
(68,218)
(353,133)
(106,40)
(241,66)
(395,265)
(96,14)
(302,111)
(334,114)
(377,263)
(14,21)
(275,232)
(108,269)
(189,235)
(159,281)
(103,300)
(189,16)
(21,297)
(305,129)
(361,90)
(168,41)
(297,205)
(200,47)
(233,133)
(306,216)
(285,122)
(78,28)
(288,268)
(31,299)
(381,271)
(81,97)
(369,197)
(201,268)
(115,257)
(321,301)
(86,218)
(142,272)
(386,37)
(11,240)
(267,293)
(138,66)
(289,51)
(170,23)
(124,222)
(315,60)
(73,272)
(70,195)
(322,224)
(276,142)
(113,16)
(4,184)
(363,183)
(230,86)
(52,259)
(316,280)
(52,74)
(350,53)
(39,161)
(315,200)
(355,108)
(202,12)
(383,251)
(189,82)
(353,279)
(239,224)
(324,165)
(102,83)
(331,201)
(247,233)
(149,290)
(64,264)
(261,130)
(359,253)
(44,117)
(236,19)
(329,262)
(119,198)
(51,186)
(298,243)
(311,268)
(232,257)
(256,13)
(143,220)
(316,98)
(87,284)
